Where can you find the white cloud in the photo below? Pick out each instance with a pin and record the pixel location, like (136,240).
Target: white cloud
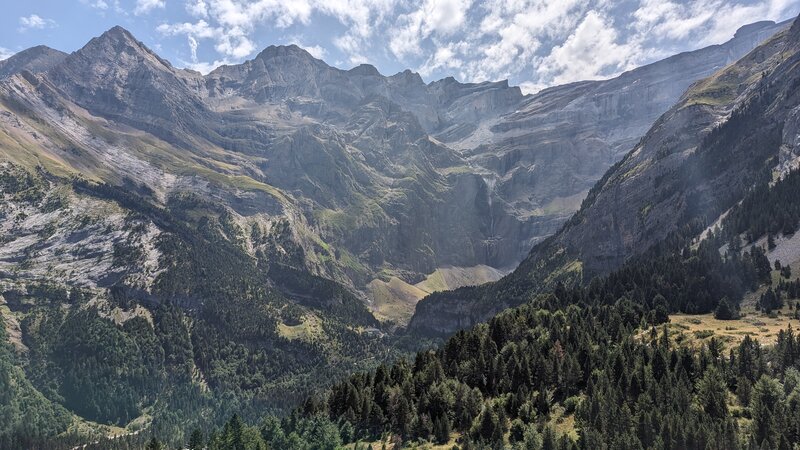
(35,22)
(197,8)
(317,51)
(194,63)
(5,53)
(535,43)
(433,17)
(590,52)
(504,39)
(200,29)
(236,46)
(359,15)
(352,46)
(193,47)
(145,6)
(530,87)
(669,25)
(444,17)
(204,67)
(729,17)
(362,17)
(235,21)
(105,6)
(445,58)
(245,15)
(233,43)
(97,4)
(669,20)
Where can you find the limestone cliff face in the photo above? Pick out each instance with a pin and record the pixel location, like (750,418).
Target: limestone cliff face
(536,155)
(649,194)
(546,154)
(695,162)
(377,175)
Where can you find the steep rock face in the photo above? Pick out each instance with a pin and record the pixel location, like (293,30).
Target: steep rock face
(117,77)
(696,161)
(378,176)
(537,156)
(282,73)
(35,60)
(546,154)
(653,180)
(289,76)
(368,153)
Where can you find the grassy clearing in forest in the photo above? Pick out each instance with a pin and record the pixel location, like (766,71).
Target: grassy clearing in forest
(308,330)
(695,329)
(394,300)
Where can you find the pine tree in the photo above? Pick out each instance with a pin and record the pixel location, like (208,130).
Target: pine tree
(441,429)
(196,440)
(154,444)
(549,439)
(766,408)
(233,433)
(488,429)
(712,393)
(725,311)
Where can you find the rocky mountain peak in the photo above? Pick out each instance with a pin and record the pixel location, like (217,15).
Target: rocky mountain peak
(365,70)
(752,28)
(119,34)
(283,51)
(408,77)
(119,47)
(115,75)
(35,60)
(276,73)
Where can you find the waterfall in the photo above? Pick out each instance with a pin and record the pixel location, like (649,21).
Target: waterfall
(490,180)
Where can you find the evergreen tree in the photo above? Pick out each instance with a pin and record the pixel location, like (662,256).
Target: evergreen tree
(488,428)
(154,444)
(725,311)
(441,429)
(766,408)
(712,393)
(196,440)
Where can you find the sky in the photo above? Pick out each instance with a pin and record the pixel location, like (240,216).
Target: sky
(532,43)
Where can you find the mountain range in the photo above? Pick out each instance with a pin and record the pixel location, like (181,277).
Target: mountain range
(177,247)
(392,187)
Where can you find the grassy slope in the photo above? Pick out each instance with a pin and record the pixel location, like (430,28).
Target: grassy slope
(395,299)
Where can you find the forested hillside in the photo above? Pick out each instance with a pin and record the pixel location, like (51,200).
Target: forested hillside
(218,328)
(593,367)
